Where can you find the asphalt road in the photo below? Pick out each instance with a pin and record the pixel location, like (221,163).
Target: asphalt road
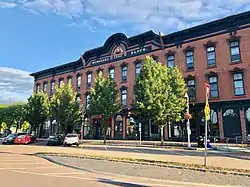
(29,171)
(158,151)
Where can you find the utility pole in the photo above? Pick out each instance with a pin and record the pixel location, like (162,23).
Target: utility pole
(207,114)
(188,121)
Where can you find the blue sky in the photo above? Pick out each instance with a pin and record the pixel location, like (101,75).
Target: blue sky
(38,34)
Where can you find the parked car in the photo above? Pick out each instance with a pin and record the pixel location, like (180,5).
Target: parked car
(55,140)
(24,139)
(10,138)
(71,139)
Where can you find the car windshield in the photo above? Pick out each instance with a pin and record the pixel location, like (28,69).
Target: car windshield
(21,136)
(52,137)
(11,136)
(71,135)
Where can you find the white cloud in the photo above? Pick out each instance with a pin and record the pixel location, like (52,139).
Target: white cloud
(140,15)
(15,85)
(6,4)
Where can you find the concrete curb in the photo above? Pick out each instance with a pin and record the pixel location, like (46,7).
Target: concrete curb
(232,150)
(176,165)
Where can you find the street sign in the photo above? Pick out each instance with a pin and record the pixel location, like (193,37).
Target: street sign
(207,111)
(140,127)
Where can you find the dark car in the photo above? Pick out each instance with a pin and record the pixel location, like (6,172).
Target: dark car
(9,139)
(55,140)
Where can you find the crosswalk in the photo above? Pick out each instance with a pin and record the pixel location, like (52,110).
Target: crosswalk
(38,171)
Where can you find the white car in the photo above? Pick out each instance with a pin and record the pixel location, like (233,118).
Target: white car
(71,139)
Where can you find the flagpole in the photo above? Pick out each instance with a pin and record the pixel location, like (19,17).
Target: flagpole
(205,143)
(207,114)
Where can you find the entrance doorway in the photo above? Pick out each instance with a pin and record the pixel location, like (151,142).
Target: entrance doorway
(231,123)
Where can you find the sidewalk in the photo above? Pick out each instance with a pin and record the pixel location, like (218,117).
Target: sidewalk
(233,149)
(215,161)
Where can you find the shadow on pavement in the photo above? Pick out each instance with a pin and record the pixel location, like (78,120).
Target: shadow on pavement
(119,183)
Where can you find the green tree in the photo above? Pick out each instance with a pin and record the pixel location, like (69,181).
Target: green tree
(158,91)
(65,109)
(37,110)
(177,96)
(25,126)
(12,115)
(104,101)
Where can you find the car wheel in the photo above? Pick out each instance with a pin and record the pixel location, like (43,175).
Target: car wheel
(64,145)
(77,145)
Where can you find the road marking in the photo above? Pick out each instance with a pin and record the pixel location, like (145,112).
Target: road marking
(72,173)
(24,163)
(106,148)
(174,183)
(20,160)
(30,168)
(136,150)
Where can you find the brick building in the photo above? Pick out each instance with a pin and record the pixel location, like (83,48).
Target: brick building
(217,53)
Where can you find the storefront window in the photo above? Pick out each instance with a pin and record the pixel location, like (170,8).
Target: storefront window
(132,129)
(247,115)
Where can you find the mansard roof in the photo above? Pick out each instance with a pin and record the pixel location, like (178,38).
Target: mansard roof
(226,25)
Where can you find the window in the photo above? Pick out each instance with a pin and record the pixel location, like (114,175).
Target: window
(211,61)
(238,84)
(235,51)
(170,61)
(60,82)
(70,80)
(79,80)
(190,60)
(191,89)
(112,73)
(124,97)
(45,87)
(89,78)
(137,69)
(87,100)
(52,87)
(213,82)
(37,88)
(124,73)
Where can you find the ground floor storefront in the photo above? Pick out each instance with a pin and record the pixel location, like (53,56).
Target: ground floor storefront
(228,119)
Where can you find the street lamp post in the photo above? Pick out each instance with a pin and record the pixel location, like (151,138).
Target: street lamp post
(188,121)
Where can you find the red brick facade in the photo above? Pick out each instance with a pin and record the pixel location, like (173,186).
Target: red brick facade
(217,37)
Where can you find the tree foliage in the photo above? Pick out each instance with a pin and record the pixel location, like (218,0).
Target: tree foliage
(104,100)
(65,109)
(159,92)
(12,115)
(37,110)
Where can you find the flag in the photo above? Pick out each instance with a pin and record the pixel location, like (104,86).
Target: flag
(207,86)
(207,107)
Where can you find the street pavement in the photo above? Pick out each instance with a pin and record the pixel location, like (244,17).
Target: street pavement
(159,151)
(29,171)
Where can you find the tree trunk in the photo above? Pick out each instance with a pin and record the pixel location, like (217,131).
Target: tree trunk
(16,127)
(162,135)
(105,132)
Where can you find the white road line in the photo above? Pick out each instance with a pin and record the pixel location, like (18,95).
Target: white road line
(174,183)
(73,173)
(136,150)
(30,168)
(9,160)
(38,163)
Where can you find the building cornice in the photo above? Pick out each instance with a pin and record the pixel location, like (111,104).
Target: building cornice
(134,44)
